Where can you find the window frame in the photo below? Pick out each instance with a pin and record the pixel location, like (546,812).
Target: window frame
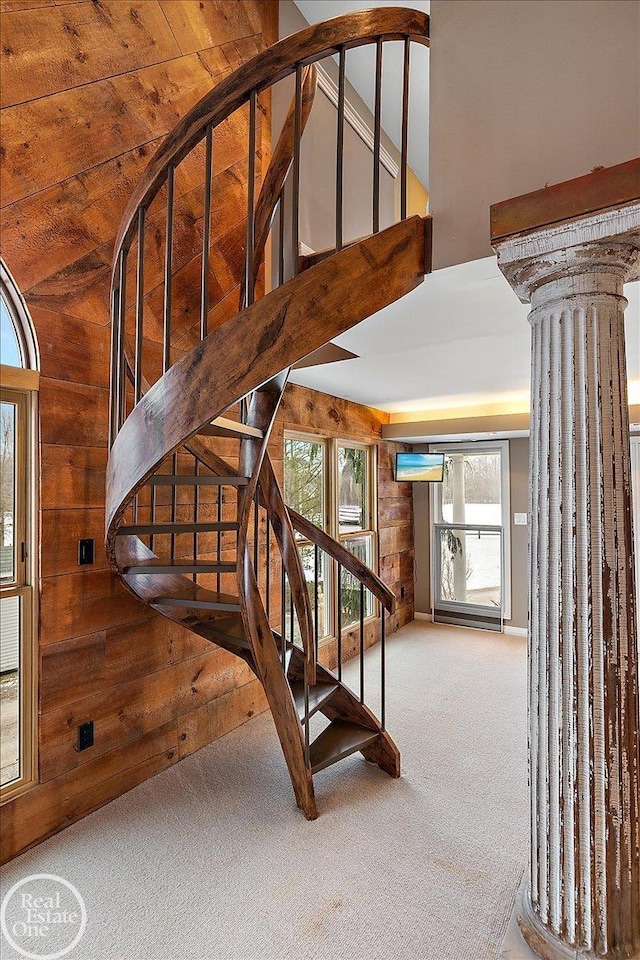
(635,509)
(369,533)
(23,328)
(477,446)
(20,385)
(331,516)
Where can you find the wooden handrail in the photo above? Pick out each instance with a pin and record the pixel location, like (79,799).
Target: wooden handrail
(259,342)
(266,68)
(360,570)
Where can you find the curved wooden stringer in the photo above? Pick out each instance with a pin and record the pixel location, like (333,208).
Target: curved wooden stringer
(246,358)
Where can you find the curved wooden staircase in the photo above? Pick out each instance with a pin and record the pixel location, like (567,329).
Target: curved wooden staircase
(202,539)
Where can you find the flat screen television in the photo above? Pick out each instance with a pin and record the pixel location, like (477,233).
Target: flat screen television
(420,466)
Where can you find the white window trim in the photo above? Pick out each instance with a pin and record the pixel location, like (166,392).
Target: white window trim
(22,323)
(478,446)
(25,380)
(332,526)
(635,493)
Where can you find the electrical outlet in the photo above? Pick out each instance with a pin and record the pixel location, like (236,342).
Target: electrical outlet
(85,735)
(520,519)
(86,551)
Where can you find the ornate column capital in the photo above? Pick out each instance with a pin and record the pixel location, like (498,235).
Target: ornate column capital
(586,255)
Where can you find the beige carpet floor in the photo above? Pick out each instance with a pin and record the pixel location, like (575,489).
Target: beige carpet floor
(211,860)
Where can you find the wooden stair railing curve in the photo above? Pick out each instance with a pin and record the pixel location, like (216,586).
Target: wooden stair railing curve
(270,192)
(266,68)
(246,359)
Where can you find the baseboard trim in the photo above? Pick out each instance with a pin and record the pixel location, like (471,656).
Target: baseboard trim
(515,631)
(512,631)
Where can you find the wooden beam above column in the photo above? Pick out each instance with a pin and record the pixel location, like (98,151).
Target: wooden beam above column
(598,190)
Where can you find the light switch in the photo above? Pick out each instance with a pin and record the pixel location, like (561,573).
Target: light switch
(520,519)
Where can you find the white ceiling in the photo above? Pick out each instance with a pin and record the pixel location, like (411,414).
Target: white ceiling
(460,339)
(360,68)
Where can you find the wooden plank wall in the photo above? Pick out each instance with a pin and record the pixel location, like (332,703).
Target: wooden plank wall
(88,90)
(309,411)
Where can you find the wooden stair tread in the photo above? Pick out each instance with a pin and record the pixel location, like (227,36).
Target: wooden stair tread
(172,479)
(225,630)
(192,595)
(222,427)
(205,527)
(180,566)
(319,694)
(231,630)
(337,741)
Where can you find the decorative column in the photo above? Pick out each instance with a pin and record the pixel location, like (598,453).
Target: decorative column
(583,898)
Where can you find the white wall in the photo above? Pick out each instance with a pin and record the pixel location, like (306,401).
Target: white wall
(318,159)
(635,483)
(524,94)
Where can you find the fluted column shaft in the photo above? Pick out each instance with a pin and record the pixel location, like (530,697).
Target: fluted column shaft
(584,714)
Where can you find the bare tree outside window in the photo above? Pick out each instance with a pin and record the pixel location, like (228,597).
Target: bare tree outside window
(7,489)
(304,478)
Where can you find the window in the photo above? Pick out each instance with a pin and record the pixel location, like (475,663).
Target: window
(332,483)
(305,483)
(10,348)
(354,523)
(17,550)
(471,543)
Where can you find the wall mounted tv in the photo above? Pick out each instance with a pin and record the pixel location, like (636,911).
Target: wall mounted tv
(420,466)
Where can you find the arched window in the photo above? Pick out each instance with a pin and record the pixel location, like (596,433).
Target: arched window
(18,405)
(18,344)
(10,348)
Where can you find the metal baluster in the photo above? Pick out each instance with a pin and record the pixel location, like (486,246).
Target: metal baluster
(382,671)
(219,537)
(340,148)
(174,502)
(137,370)
(115,352)
(139,329)
(339,621)
(283,614)
(152,516)
(376,137)
(297,135)
(196,512)
(168,270)
(256,530)
(315,597)
(281,212)
(267,569)
(362,643)
(306,710)
(291,617)
(405,127)
(251,181)
(206,233)
(122,312)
